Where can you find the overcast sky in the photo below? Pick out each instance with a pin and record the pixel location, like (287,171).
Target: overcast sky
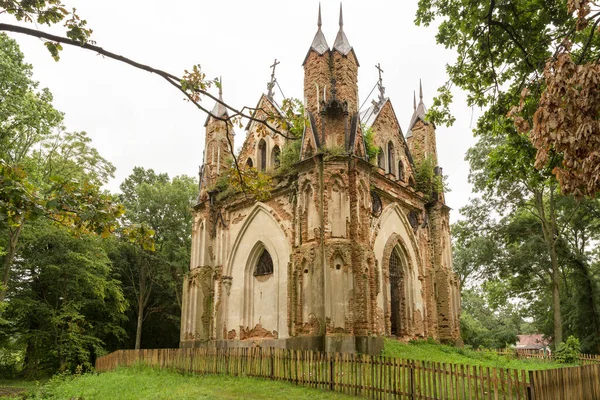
(138,119)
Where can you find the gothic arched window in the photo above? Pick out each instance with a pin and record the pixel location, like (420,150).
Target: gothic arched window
(264,265)
(400,170)
(275,154)
(262,155)
(381,159)
(391,158)
(249,163)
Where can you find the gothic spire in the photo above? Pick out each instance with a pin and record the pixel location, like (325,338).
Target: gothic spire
(341,41)
(319,44)
(419,110)
(219,110)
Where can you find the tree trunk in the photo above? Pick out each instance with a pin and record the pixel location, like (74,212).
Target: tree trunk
(140,321)
(558,334)
(13,238)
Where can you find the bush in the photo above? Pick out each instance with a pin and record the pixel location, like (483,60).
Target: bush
(569,352)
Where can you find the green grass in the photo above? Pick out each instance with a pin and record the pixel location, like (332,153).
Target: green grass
(148,383)
(12,388)
(429,351)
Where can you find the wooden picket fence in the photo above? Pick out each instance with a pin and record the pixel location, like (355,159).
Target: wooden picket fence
(373,377)
(584,359)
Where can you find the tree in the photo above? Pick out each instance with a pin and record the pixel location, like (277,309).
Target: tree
(193,84)
(536,60)
(154,278)
(44,171)
(64,301)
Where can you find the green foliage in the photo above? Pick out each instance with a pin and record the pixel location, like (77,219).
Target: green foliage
(64,301)
(145,382)
(427,351)
(290,155)
(49,12)
(426,180)
(372,149)
(333,151)
(569,352)
(152,272)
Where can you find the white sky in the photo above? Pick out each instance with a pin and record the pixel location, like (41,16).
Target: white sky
(138,119)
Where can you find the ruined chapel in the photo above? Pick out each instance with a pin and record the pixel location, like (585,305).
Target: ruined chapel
(345,250)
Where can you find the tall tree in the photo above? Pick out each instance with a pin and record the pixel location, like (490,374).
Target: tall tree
(537,59)
(162,205)
(44,171)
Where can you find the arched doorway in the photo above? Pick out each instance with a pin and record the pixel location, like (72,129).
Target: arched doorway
(395,293)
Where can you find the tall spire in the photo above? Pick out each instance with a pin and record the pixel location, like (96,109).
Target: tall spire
(319,44)
(219,110)
(341,41)
(419,110)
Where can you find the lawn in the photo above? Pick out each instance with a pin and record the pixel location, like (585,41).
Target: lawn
(148,383)
(12,388)
(428,351)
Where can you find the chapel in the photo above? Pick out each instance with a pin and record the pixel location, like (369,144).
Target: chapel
(344,250)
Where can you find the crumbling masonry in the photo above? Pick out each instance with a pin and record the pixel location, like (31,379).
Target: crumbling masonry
(345,251)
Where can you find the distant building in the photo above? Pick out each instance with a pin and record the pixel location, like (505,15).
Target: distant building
(532,342)
(345,251)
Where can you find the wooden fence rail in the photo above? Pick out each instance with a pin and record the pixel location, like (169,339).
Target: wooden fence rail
(373,377)
(584,359)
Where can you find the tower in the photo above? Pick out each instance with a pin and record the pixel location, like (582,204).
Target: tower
(331,93)
(218,139)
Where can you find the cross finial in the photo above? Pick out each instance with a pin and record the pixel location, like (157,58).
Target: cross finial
(380,85)
(341,16)
(271,84)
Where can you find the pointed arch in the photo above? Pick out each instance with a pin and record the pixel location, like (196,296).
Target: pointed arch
(394,233)
(258,300)
(262,155)
(275,157)
(390,161)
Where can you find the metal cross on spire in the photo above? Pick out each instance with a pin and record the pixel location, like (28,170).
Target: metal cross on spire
(271,84)
(380,85)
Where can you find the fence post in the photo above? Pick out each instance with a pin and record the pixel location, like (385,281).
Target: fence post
(272,363)
(331,373)
(530,388)
(411,385)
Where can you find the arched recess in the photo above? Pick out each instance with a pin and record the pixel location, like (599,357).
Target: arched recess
(391,163)
(381,159)
(249,162)
(338,208)
(394,234)
(254,299)
(400,170)
(275,157)
(262,156)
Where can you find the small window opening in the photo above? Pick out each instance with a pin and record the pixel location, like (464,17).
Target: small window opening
(264,266)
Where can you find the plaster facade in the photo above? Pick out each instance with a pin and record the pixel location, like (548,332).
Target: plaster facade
(345,251)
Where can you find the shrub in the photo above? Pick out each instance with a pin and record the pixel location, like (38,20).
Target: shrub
(569,352)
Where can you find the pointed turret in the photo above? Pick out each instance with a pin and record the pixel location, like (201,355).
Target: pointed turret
(319,44)
(218,134)
(419,111)
(421,134)
(341,41)
(219,110)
